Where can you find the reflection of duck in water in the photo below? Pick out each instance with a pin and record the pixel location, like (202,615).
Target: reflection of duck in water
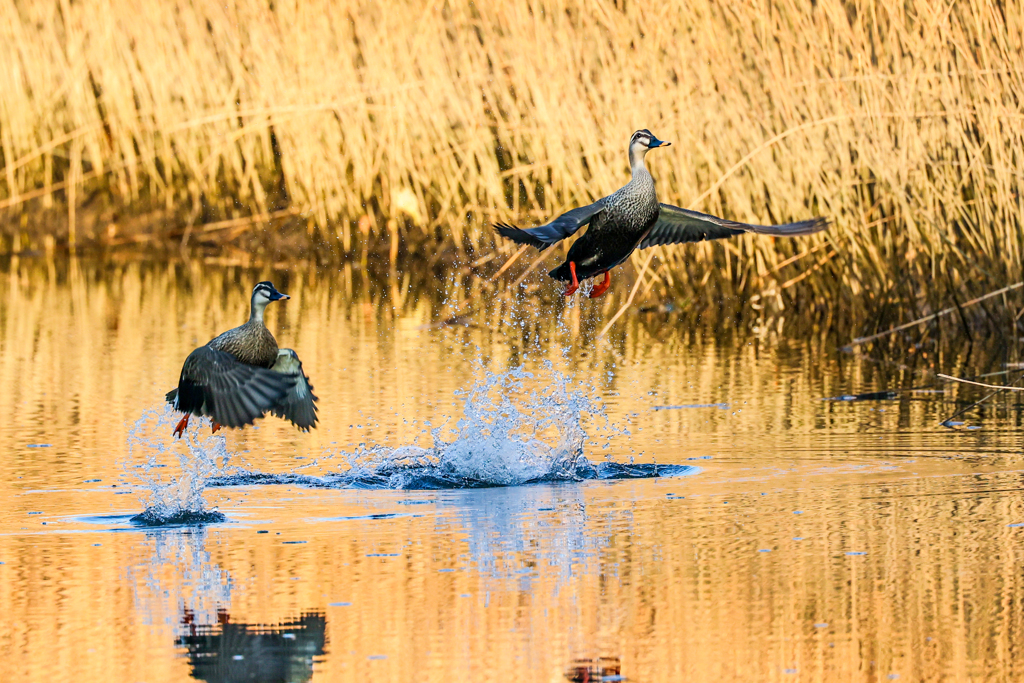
(594,670)
(631,218)
(241,375)
(283,653)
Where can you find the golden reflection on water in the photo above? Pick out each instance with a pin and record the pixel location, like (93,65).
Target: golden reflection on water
(821,541)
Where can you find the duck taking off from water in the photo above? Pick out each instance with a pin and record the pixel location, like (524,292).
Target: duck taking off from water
(632,218)
(241,375)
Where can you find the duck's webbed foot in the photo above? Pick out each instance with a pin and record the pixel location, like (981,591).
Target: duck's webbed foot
(571,288)
(216,426)
(180,428)
(600,289)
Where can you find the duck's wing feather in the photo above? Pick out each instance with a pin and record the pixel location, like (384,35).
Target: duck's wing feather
(232,393)
(299,403)
(677,225)
(543,236)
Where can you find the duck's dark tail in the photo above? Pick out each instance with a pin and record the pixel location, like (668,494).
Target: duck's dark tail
(561,272)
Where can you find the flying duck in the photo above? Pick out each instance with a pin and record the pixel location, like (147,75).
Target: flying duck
(241,375)
(632,218)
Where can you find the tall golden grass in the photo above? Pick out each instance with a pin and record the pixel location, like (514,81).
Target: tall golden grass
(422,122)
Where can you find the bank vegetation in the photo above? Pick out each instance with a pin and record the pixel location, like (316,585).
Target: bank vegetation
(406,128)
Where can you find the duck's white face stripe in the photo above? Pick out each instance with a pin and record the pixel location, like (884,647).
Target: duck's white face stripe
(641,139)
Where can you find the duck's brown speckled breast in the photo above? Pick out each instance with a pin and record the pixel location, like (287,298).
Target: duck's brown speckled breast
(251,343)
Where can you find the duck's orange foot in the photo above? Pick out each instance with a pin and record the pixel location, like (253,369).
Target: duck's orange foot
(180,429)
(575,284)
(600,289)
(216,426)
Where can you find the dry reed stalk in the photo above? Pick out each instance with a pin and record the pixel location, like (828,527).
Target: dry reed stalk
(901,119)
(1001,387)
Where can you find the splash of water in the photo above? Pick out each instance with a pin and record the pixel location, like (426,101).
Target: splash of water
(517,428)
(513,431)
(173,499)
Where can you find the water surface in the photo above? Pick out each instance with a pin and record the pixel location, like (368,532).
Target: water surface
(788,538)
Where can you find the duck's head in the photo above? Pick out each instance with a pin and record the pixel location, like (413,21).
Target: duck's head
(262,294)
(642,142)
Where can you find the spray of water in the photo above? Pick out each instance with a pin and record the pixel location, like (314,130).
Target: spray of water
(517,427)
(173,498)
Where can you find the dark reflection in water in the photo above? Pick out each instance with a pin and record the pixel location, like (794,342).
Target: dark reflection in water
(179,580)
(595,670)
(278,653)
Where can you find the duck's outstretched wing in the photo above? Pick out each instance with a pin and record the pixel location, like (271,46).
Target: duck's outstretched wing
(299,403)
(677,225)
(543,236)
(233,394)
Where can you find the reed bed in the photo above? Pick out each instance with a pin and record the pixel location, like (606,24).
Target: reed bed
(414,125)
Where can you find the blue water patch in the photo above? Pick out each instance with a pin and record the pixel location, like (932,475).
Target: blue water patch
(869,396)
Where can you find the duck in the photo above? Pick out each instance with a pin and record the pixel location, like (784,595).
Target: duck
(632,218)
(241,375)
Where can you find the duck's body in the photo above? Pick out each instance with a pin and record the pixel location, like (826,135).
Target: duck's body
(632,218)
(629,214)
(235,379)
(251,343)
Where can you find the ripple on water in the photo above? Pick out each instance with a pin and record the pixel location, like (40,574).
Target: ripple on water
(433,477)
